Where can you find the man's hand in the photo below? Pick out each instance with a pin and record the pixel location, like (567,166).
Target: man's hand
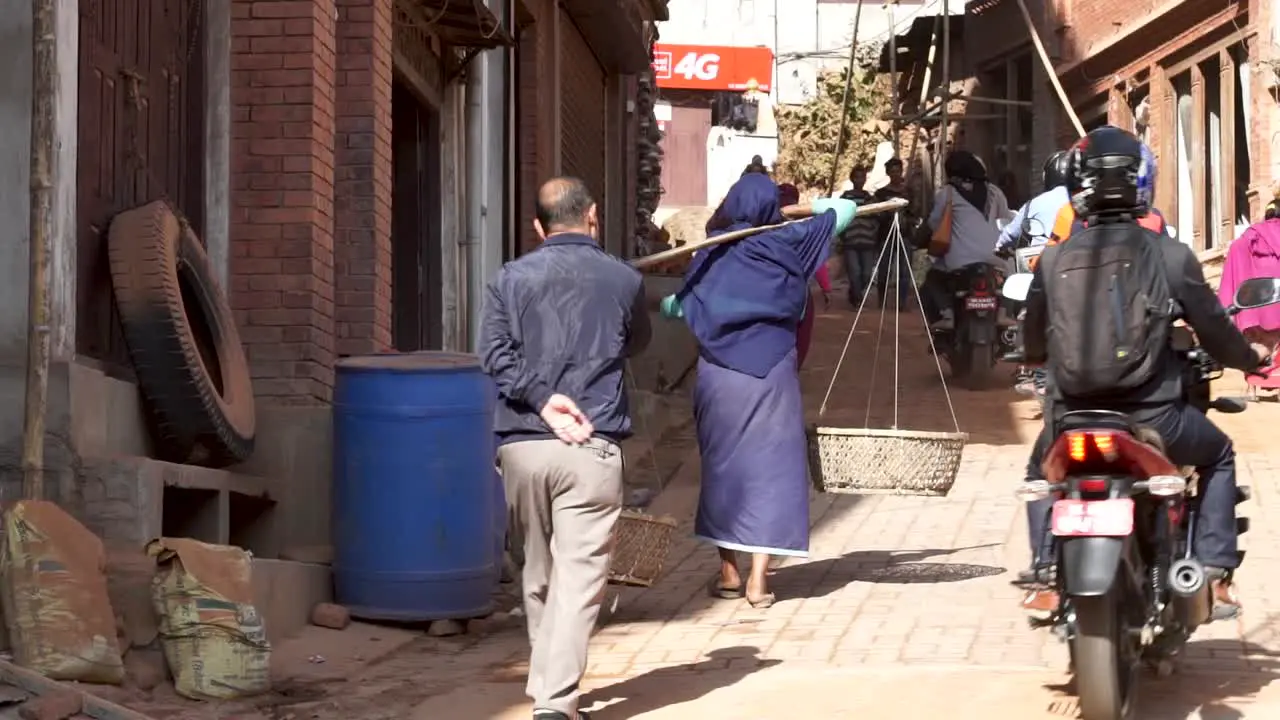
(565,420)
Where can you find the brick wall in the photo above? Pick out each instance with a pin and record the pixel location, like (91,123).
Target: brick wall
(282,193)
(363,183)
(1092,23)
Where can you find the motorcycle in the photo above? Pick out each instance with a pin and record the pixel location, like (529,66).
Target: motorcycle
(1130,589)
(972,343)
(1024,254)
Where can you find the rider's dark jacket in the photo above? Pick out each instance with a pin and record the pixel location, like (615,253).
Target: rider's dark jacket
(1197,305)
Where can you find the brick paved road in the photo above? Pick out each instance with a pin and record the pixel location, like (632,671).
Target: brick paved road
(904,609)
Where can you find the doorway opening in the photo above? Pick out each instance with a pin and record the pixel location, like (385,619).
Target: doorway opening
(417,308)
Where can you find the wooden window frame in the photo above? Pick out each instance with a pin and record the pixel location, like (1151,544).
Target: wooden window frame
(1164,109)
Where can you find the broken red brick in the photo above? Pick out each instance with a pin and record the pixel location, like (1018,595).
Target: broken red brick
(328,615)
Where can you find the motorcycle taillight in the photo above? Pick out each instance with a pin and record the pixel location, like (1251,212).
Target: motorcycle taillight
(1093,485)
(980,284)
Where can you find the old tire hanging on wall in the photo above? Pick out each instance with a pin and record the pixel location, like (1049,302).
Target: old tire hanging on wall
(182,338)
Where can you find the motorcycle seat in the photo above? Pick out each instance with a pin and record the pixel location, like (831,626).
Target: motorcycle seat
(1097,420)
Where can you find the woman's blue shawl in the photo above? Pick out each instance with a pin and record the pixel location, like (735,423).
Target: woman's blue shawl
(744,299)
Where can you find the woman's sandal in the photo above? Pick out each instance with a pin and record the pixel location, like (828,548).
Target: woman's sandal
(763,602)
(723,592)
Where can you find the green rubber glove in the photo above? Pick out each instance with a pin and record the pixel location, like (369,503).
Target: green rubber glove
(671,307)
(846,210)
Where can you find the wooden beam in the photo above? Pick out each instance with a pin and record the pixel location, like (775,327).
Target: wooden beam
(1163,122)
(996,101)
(1048,67)
(1224,21)
(1199,173)
(1227,168)
(1118,111)
(1010,113)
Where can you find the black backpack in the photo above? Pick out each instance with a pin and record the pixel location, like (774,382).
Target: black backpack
(1110,310)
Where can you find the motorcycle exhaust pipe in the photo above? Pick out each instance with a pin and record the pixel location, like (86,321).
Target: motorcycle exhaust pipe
(1187,578)
(1188,582)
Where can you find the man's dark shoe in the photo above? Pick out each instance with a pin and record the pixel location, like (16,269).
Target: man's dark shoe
(1035,576)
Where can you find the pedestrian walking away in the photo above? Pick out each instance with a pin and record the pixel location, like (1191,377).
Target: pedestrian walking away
(557,326)
(744,301)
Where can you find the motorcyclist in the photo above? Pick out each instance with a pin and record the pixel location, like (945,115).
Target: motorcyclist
(1067,222)
(973,204)
(1062,227)
(1191,439)
(1037,217)
(1034,220)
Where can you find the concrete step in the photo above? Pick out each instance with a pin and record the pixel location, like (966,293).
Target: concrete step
(131,500)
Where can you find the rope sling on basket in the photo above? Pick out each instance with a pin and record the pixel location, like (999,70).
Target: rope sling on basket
(886,461)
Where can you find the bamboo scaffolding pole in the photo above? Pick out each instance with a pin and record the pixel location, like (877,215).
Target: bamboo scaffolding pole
(1048,67)
(44,77)
(798,213)
(893,69)
(844,102)
(946,92)
(930,60)
(991,100)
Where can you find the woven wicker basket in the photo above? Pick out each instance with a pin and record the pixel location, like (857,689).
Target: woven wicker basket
(640,544)
(892,462)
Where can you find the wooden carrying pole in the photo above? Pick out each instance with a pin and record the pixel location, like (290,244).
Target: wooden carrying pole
(44,77)
(1048,67)
(799,212)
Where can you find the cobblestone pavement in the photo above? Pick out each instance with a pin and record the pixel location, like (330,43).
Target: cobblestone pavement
(904,608)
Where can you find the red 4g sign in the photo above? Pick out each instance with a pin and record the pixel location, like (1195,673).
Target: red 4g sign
(702,67)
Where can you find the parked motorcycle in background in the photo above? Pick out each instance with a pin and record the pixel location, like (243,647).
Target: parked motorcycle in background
(1131,591)
(1023,257)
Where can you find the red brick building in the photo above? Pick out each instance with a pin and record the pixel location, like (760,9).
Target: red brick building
(350,157)
(1195,78)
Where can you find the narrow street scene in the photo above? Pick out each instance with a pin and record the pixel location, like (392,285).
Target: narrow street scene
(611,359)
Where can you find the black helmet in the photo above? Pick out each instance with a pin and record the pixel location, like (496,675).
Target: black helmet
(1055,170)
(964,165)
(1103,170)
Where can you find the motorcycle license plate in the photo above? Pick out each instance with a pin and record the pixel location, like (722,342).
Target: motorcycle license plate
(1093,518)
(980,303)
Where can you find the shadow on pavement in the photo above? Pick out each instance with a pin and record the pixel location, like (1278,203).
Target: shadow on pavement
(1238,671)
(823,577)
(675,685)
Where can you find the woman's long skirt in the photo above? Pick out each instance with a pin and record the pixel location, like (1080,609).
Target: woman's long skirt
(755,475)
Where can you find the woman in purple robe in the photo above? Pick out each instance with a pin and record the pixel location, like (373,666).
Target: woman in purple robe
(743,301)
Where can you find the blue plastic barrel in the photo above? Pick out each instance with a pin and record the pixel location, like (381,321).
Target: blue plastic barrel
(413,487)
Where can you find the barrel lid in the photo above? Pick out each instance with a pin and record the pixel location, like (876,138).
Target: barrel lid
(410,362)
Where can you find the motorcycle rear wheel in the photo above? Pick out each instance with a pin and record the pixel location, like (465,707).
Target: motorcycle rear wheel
(979,375)
(1105,670)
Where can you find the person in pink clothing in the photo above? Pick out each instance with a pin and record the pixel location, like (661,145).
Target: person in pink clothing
(1255,254)
(789,194)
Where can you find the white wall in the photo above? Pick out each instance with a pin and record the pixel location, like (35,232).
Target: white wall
(806,35)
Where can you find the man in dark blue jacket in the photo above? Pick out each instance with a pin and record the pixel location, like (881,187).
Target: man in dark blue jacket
(557,327)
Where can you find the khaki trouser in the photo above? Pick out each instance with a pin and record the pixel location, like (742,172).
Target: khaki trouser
(563,500)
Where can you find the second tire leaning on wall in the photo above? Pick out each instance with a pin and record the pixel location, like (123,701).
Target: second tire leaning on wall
(182,339)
